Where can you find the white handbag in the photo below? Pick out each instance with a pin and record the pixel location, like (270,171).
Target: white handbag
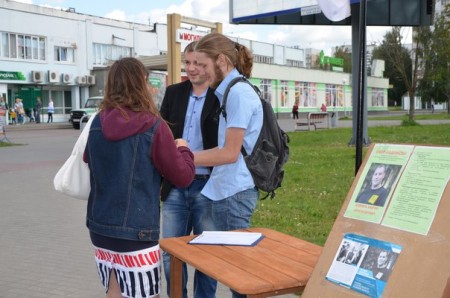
(73,178)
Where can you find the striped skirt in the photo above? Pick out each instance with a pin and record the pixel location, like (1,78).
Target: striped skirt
(138,273)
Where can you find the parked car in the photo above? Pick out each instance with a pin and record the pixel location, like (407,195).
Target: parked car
(90,107)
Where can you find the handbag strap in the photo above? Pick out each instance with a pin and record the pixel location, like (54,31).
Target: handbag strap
(82,139)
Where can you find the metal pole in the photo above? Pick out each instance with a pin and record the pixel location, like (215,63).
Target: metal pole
(361,84)
(343,93)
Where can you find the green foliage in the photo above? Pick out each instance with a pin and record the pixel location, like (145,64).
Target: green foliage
(344,53)
(6,144)
(320,172)
(435,84)
(409,122)
(390,45)
(434,116)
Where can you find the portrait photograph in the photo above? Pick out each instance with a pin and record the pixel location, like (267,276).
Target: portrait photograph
(378,183)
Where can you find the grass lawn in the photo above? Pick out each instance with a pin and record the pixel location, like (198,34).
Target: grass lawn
(320,172)
(435,116)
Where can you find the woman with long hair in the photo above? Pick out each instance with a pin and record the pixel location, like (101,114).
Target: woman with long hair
(128,150)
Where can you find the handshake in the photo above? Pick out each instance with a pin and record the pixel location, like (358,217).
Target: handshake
(181,142)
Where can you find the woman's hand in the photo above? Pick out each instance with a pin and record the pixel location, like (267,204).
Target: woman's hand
(181,142)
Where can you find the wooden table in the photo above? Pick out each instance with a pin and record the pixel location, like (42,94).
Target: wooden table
(278,264)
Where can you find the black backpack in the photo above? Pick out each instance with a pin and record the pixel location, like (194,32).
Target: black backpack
(271,150)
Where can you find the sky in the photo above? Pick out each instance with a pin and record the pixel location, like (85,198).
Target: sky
(155,11)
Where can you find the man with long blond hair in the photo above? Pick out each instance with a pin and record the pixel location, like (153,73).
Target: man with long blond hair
(230,190)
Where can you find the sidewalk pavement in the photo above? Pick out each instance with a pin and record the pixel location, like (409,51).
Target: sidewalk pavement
(45,248)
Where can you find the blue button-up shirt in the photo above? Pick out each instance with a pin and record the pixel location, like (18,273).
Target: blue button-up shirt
(244,110)
(192,132)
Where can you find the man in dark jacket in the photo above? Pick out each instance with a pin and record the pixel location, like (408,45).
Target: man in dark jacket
(191,110)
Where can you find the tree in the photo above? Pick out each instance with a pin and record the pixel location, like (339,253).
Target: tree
(396,56)
(344,53)
(435,84)
(382,52)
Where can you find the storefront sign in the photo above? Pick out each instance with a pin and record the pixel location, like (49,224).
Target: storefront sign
(330,60)
(184,35)
(155,82)
(12,76)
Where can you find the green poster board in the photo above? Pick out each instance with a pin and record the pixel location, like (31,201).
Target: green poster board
(415,217)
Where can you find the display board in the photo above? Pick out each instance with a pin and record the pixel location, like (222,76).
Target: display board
(404,225)
(307,12)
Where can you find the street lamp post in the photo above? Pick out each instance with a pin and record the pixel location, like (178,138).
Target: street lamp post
(343,91)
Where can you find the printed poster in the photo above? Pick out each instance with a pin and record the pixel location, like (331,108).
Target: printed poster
(419,191)
(363,264)
(378,180)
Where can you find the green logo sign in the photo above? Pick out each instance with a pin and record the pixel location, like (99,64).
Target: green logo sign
(12,76)
(155,82)
(330,60)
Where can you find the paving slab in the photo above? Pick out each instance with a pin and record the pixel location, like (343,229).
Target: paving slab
(45,246)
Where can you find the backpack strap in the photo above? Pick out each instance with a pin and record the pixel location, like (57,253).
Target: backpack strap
(222,109)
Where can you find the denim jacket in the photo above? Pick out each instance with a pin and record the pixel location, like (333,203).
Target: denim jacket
(124,198)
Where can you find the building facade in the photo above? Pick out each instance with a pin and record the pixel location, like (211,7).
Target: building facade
(50,53)
(63,55)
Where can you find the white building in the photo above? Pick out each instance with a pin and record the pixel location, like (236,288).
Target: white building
(50,53)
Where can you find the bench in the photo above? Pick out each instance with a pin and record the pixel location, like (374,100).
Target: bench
(316,119)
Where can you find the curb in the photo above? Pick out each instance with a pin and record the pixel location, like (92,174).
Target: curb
(38,126)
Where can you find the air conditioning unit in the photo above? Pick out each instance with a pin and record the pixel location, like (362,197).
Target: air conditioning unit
(80,80)
(53,76)
(66,78)
(90,80)
(37,76)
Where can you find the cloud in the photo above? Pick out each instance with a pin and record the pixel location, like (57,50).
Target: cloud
(319,37)
(117,14)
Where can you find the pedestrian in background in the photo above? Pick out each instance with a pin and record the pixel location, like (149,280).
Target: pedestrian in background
(13,116)
(50,110)
(129,148)
(37,111)
(295,111)
(3,104)
(20,111)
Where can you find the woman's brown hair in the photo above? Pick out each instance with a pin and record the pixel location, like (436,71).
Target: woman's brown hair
(127,87)
(239,56)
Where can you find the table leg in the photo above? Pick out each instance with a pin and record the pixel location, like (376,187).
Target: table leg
(176,277)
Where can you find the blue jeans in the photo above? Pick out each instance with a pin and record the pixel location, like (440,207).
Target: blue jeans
(181,214)
(228,214)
